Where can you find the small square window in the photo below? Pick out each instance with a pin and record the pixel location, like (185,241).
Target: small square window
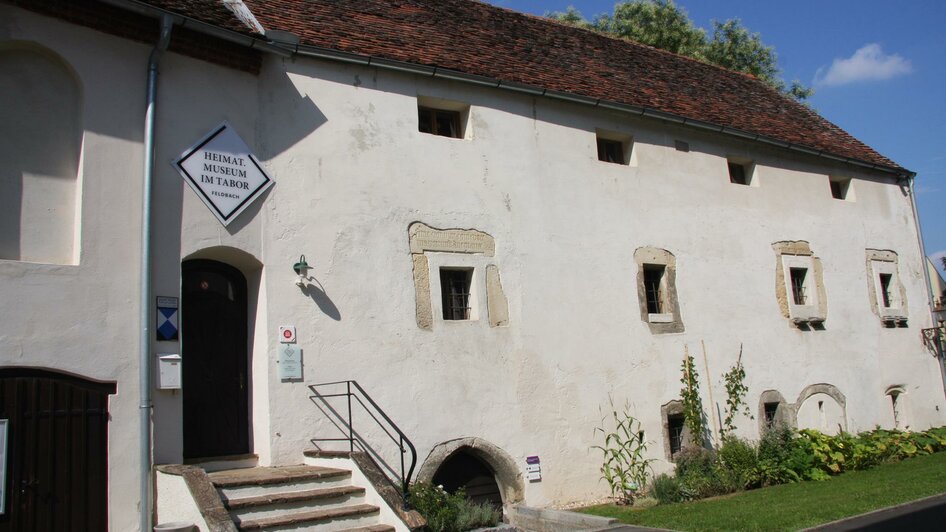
(613,147)
(610,151)
(738,173)
(653,288)
(841,189)
(455,293)
(799,285)
(675,425)
(440,122)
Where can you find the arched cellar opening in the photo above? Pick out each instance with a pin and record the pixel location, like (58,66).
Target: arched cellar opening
(485,470)
(476,477)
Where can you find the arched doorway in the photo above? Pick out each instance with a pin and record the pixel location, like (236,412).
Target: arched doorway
(478,480)
(214,359)
(57,451)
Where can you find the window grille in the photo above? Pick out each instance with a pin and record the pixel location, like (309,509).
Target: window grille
(455,292)
(771,409)
(885,280)
(653,277)
(675,424)
(799,288)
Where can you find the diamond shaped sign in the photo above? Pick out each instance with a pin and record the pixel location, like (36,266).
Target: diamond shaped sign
(223,173)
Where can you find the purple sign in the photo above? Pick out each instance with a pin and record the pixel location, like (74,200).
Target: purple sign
(532,459)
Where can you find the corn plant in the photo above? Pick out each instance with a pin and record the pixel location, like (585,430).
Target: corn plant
(624,466)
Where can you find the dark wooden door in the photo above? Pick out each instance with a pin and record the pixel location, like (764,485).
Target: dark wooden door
(214,352)
(57,466)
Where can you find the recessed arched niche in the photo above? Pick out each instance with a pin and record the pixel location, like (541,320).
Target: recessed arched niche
(41,128)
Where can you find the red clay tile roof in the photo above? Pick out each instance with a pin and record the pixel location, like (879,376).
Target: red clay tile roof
(480,39)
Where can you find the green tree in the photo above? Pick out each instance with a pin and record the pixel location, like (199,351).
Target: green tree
(657,23)
(662,24)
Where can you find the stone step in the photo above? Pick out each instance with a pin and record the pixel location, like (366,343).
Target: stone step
(273,504)
(336,519)
(374,528)
(258,481)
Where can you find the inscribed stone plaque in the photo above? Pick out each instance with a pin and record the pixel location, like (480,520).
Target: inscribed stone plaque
(424,238)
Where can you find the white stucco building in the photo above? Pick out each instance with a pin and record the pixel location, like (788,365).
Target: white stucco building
(503,232)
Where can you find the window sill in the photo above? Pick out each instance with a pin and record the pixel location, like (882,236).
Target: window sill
(660,318)
(804,312)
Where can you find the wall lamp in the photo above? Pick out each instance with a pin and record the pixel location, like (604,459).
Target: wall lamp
(302,270)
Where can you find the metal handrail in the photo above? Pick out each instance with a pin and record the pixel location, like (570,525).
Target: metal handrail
(403,443)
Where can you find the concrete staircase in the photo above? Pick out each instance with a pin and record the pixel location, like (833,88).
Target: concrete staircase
(300,498)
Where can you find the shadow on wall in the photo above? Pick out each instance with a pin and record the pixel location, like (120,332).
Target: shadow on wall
(288,115)
(326,305)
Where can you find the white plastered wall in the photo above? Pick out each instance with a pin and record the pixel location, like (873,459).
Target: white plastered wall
(82,319)
(566,226)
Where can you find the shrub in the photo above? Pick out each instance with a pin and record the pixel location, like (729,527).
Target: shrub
(666,489)
(446,512)
(694,460)
(783,459)
(740,459)
(700,474)
(471,515)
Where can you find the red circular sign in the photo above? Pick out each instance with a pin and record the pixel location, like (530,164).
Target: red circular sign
(287,334)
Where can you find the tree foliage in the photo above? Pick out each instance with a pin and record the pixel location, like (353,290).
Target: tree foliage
(662,24)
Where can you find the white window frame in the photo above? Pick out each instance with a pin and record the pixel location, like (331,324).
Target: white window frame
(459,261)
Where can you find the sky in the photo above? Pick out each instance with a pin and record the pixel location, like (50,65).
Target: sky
(878,69)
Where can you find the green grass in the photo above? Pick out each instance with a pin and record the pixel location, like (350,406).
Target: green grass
(795,506)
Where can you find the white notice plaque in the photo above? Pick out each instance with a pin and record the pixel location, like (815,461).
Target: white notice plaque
(223,173)
(290,362)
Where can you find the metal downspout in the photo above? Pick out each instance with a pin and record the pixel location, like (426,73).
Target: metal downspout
(144,368)
(941,357)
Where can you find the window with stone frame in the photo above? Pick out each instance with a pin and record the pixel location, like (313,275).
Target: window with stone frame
(800,285)
(888,299)
(656,289)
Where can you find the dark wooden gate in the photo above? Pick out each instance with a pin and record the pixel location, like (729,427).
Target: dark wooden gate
(57,466)
(214,352)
